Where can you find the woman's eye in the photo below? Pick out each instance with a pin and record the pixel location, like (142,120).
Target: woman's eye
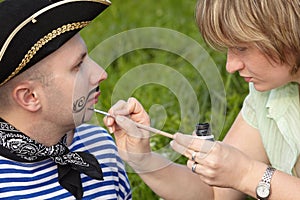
(241,48)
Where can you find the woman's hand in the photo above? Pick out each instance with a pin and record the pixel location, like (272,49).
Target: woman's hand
(132,142)
(216,163)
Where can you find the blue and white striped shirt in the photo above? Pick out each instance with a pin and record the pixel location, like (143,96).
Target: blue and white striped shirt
(39,180)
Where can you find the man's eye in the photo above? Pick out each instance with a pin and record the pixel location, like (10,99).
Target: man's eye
(77,67)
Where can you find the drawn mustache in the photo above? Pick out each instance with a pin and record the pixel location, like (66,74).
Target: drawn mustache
(80,103)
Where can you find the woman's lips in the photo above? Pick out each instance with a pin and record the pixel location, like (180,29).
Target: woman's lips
(247,79)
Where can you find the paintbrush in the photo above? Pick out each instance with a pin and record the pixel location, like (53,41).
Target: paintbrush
(141,126)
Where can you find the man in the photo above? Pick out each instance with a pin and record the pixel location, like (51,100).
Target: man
(48,87)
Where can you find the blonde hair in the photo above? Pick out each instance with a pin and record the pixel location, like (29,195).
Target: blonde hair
(272,25)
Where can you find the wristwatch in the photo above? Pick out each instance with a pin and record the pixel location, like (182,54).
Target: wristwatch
(263,190)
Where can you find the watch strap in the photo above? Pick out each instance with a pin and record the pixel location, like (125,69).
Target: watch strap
(268,174)
(266,180)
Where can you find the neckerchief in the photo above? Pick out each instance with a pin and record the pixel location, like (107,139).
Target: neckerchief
(15,145)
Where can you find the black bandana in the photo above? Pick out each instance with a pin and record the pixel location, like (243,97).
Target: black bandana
(17,146)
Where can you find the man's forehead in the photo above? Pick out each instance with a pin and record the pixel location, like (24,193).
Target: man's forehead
(73,50)
(27,36)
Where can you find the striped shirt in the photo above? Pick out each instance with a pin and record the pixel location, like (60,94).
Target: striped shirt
(39,180)
(276,114)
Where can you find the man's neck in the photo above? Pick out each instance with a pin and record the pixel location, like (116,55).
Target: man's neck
(43,133)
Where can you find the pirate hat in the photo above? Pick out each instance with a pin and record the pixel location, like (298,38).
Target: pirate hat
(33,29)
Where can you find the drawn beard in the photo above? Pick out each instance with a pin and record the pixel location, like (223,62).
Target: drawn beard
(80,104)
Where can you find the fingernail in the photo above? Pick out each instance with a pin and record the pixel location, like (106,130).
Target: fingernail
(172,142)
(108,121)
(110,129)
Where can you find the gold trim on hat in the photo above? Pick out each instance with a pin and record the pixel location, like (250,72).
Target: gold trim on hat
(44,40)
(32,19)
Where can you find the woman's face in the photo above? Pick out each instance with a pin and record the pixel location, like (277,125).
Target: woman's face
(257,68)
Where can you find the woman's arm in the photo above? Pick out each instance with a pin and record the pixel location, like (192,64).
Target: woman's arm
(283,186)
(247,139)
(236,165)
(167,179)
(229,170)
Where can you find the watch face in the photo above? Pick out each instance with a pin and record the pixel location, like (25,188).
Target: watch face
(263,191)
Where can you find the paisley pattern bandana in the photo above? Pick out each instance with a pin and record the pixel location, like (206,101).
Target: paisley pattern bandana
(17,146)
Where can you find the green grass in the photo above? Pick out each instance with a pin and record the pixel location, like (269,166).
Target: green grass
(124,15)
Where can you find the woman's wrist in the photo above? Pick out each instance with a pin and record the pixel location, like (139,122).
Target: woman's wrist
(251,178)
(148,162)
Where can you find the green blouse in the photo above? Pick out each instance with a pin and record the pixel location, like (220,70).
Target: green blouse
(276,115)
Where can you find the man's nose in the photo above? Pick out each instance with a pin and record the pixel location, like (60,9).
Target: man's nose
(98,74)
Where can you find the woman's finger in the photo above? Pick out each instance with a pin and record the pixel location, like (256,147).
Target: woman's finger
(194,142)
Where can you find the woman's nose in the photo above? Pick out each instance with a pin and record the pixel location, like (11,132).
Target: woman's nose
(233,63)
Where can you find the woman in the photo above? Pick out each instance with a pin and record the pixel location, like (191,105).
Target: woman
(259,154)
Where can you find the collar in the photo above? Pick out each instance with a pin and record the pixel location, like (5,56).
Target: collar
(17,146)
(280,99)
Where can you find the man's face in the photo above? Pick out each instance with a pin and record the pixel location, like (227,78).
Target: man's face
(74,86)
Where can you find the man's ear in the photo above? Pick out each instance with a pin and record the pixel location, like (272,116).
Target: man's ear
(26,96)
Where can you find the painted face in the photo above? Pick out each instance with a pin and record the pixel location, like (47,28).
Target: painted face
(255,67)
(75,84)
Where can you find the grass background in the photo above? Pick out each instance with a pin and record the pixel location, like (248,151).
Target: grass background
(124,15)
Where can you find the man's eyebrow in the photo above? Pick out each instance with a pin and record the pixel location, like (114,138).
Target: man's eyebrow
(80,57)
(83,54)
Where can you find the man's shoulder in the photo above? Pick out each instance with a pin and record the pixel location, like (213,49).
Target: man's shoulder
(95,140)
(90,128)
(91,133)
(84,129)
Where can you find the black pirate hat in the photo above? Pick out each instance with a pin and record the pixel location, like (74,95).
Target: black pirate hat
(33,29)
